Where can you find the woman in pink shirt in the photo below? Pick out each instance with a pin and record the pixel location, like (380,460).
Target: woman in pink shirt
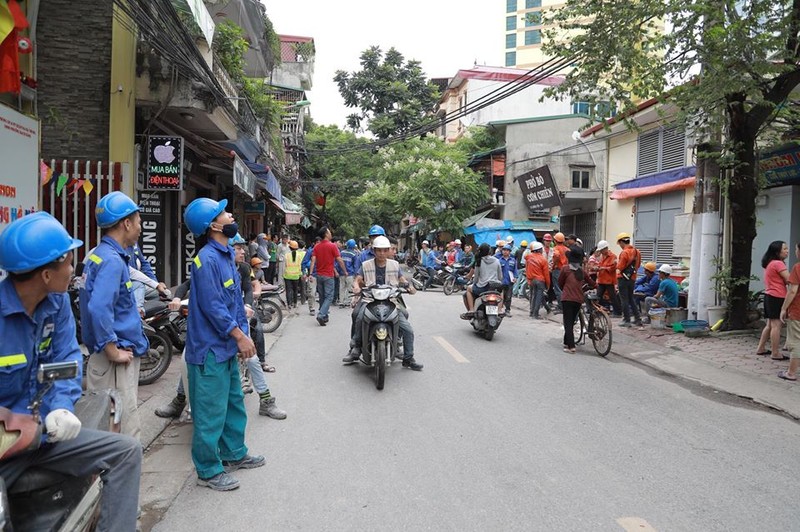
(775,278)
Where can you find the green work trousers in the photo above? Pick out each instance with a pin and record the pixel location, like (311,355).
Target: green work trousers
(215,394)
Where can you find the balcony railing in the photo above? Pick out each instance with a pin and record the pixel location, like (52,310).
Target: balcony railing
(228,86)
(249,121)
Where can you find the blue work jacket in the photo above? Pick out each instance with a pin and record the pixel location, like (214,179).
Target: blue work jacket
(509,266)
(646,286)
(108,306)
(216,306)
(349,259)
(48,336)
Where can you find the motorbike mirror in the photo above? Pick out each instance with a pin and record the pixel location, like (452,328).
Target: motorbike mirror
(57,371)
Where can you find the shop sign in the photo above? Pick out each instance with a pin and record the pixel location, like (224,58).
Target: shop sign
(154,235)
(293,218)
(189,247)
(164,163)
(243,178)
(539,190)
(255,207)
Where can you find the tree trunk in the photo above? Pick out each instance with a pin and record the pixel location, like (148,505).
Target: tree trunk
(742,192)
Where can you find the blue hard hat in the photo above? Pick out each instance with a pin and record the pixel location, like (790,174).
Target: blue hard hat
(376,230)
(236,240)
(112,208)
(33,241)
(351,244)
(201,212)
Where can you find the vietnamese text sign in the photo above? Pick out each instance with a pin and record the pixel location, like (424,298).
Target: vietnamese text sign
(153,239)
(19,165)
(538,189)
(255,207)
(243,178)
(164,163)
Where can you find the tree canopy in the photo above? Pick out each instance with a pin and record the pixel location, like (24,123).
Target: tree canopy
(728,65)
(392,95)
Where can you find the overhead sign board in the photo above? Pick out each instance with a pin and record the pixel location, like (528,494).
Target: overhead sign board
(164,163)
(539,190)
(255,207)
(243,178)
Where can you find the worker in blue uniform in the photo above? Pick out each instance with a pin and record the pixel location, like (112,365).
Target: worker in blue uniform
(37,327)
(110,321)
(217,331)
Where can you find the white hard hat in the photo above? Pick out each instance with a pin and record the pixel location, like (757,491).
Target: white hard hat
(500,243)
(603,244)
(425,242)
(537,246)
(381,242)
(666,268)
(509,238)
(458,242)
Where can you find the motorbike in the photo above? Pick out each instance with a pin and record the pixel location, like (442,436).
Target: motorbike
(487,316)
(380,338)
(268,306)
(455,279)
(421,275)
(165,330)
(42,499)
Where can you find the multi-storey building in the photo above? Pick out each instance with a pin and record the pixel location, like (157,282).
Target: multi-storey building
(524,32)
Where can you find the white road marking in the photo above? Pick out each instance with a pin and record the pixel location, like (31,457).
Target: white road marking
(631,524)
(452,350)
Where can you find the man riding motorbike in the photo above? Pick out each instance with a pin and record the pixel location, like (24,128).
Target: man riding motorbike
(37,327)
(378,271)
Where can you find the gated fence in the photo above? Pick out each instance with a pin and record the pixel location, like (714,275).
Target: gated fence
(74,208)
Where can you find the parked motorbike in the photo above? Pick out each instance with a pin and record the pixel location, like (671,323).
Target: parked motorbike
(487,316)
(165,330)
(455,279)
(41,499)
(380,338)
(269,307)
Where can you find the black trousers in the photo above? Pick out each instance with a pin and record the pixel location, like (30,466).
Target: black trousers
(570,311)
(602,289)
(507,296)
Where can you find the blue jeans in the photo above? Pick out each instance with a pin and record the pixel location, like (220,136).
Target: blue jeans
(325,288)
(257,375)
(429,280)
(538,289)
(556,289)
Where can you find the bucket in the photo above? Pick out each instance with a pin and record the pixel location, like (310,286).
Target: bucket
(694,324)
(676,315)
(715,314)
(658,317)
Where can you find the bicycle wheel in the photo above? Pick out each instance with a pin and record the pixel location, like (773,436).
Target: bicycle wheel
(601,333)
(579,328)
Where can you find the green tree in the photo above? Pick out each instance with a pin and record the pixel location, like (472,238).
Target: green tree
(749,57)
(392,94)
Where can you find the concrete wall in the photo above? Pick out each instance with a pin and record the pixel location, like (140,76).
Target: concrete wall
(778,215)
(74,45)
(294,75)
(533,139)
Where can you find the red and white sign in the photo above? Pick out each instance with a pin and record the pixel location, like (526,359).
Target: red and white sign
(19,165)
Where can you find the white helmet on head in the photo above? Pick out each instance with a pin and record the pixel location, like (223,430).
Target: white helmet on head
(500,243)
(509,238)
(381,242)
(537,246)
(665,269)
(603,244)
(425,242)
(457,242)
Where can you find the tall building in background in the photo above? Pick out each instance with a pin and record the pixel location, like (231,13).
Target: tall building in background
(524,32)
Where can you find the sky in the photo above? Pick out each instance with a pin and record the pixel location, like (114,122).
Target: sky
(444,35)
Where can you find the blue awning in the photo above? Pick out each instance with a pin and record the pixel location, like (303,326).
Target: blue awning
(266,179)
(245,147)
(661,178)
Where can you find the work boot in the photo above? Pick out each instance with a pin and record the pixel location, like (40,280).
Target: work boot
(248,462)
(173,408)
(410,363)
(352,356)
(267,408)
(220,482)
(247,386)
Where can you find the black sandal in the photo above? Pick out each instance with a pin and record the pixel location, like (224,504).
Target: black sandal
(765,353)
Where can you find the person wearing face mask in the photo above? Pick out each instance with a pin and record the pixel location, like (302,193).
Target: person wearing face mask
(110,322)
(217,331)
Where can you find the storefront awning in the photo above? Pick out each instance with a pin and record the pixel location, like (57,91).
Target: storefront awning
(266,179)
(277,205)
(661,182)
(475,218)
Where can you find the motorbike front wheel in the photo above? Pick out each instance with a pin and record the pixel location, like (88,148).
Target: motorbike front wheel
(488,334)
(380,365)
(449,285)
(157,359)
(270,314)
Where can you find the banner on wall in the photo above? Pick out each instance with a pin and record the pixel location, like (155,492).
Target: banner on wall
(153,239)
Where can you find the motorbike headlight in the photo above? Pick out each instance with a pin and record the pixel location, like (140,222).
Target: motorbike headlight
(381,293)
(381,333)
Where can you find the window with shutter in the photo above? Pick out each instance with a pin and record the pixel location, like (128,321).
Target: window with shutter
(648,153)
(673,149)
(661,149)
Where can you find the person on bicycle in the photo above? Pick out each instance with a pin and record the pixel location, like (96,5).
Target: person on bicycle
(571,281)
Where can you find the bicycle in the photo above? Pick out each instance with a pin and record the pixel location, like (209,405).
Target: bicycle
(593,322)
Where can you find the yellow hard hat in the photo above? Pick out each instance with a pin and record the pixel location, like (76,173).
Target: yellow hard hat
(623,236)
(650,266)
(293,244)
(558,237)
(524,243)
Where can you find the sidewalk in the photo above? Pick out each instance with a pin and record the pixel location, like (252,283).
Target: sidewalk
(723,361)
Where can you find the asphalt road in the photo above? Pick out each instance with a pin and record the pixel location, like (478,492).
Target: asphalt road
(512,434)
